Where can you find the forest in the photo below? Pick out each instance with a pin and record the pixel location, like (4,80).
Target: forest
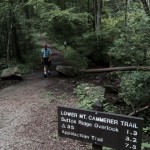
(99,34)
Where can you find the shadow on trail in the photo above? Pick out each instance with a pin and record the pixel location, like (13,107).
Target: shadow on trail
(57,59)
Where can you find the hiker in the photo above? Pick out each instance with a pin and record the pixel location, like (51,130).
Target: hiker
(65,44)
(46,59)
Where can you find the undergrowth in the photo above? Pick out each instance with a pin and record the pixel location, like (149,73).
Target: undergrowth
(86,101)
(30,61)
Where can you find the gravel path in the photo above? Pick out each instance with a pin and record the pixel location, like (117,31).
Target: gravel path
(28,112)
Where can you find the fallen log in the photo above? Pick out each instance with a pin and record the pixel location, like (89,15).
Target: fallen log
(126,68)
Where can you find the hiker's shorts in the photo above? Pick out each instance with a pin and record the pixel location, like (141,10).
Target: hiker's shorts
(45,62)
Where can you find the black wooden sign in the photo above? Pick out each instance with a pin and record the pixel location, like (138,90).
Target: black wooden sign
(104,129)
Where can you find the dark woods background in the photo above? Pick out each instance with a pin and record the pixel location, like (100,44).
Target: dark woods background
(103,32)
(99,33)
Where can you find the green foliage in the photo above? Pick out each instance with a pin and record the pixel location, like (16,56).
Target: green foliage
(72,56)
(146,130)
(110,107)
(146,137)
(68,24)
(106,148)
(85,101)
(24,69)
(31,61)
(93,46)
(75,59)
(3,64)
(95,41)
(130,47)
(42,14)
(145,145)
(135,89)
(112,27)
(88,94)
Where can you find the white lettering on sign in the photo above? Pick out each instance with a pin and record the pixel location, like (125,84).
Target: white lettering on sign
(86,124)
(68,120)
(82,116)
(105,120)
(129,124)
(106,128)
(75,134)
(70,114)
(99,128)
(94,138)
(71,127)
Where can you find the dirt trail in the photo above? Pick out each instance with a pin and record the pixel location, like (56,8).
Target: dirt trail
(28,112)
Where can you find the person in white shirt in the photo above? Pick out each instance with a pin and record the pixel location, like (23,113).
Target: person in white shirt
(46,59)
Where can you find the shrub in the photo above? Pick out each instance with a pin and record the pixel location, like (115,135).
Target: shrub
(131,46)
(135,89)
(75,59)
(88,94)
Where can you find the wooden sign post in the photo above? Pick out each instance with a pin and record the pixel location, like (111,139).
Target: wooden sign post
(98,106)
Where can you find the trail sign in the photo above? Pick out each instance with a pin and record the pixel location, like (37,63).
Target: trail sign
(111,130)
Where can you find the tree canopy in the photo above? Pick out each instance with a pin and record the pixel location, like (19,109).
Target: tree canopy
(101,33)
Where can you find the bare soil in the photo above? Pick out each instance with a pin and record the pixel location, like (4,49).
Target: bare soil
(28,111)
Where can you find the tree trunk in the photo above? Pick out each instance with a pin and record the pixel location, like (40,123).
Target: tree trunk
(146,8)
(93,2)
(114,6)
(63,4)
(98,14)
(145,56)
(95,13)
(148,2)
(126,11)
(147,11)
(127,68)
(16,39)
(14,36)
(88,9)
(26,9)
(8,44)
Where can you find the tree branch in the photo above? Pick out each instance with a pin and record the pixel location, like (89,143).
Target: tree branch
(139,110)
